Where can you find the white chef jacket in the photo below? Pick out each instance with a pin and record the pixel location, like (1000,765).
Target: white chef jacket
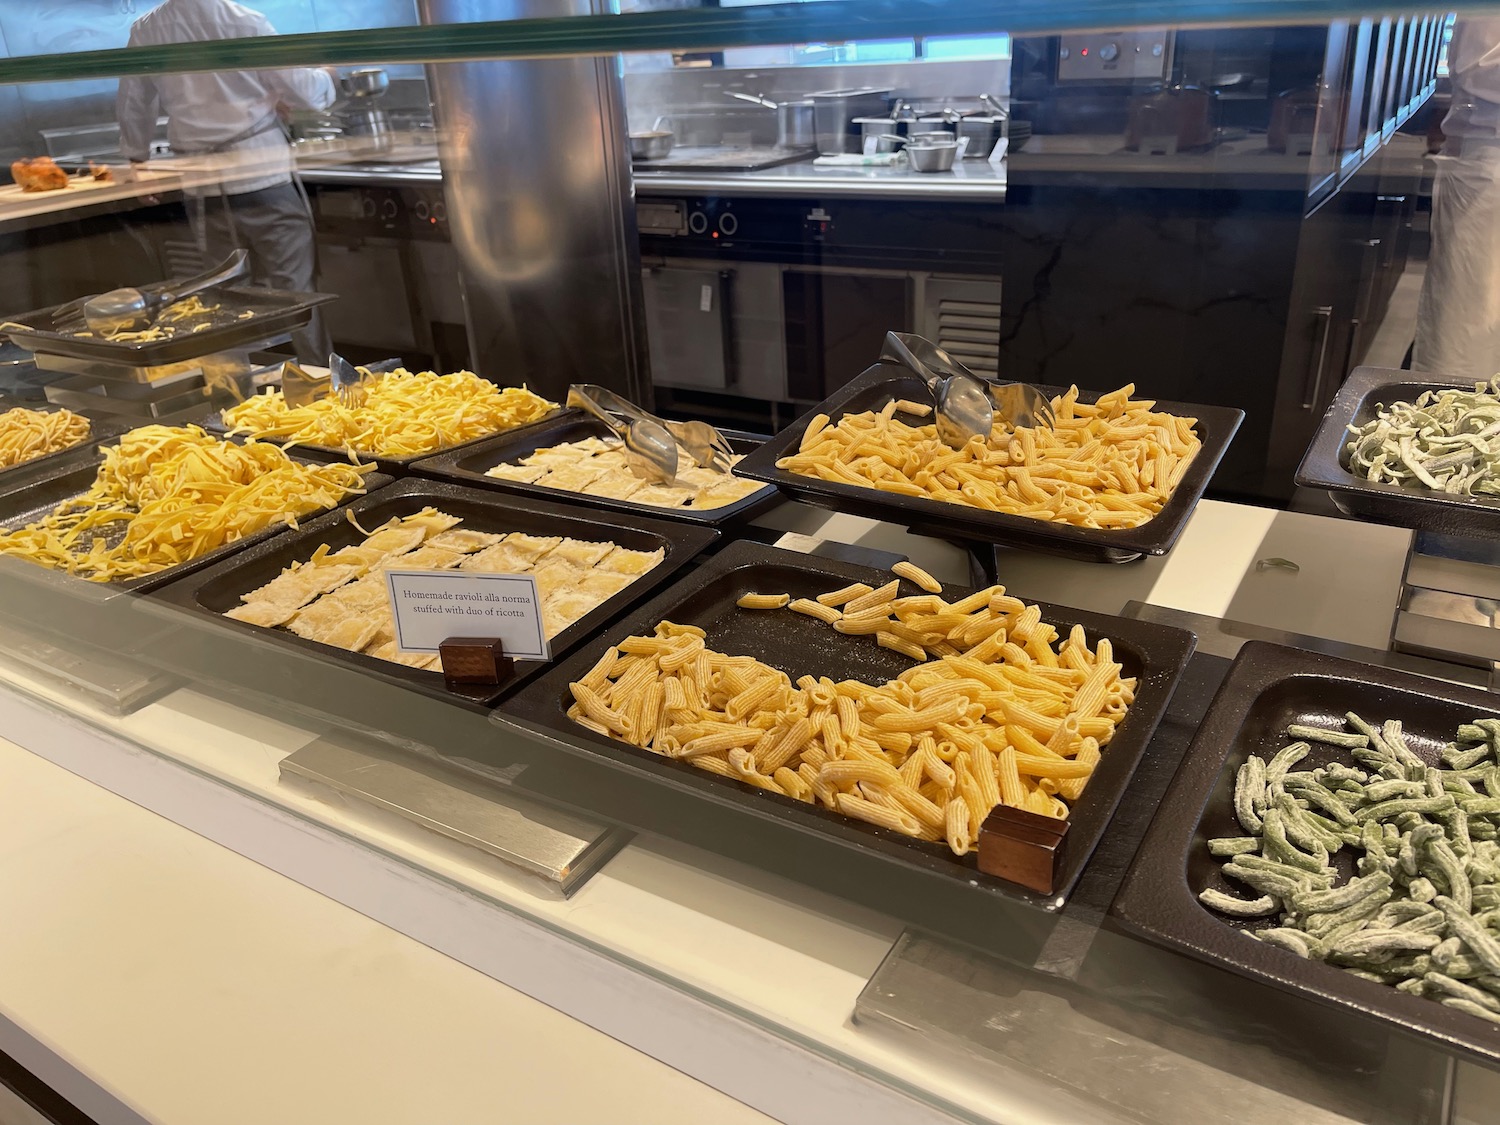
(231,114)
(1458,312)
(1474,64)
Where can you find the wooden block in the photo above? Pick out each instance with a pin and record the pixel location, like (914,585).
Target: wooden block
(475,660)
(1022,847)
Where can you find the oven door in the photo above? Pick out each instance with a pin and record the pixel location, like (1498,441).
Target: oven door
(688,317)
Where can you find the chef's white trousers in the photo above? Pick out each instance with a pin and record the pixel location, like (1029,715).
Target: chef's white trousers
(1458,315)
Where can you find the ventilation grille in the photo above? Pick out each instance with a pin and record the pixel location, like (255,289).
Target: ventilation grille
(963,317)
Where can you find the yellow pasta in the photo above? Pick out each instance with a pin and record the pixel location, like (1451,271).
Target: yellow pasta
(404,413)
(178,494)
(844,595)
(927,754)
(763,601)
(914,573)
(1113,463)
(28,434)
(824,613)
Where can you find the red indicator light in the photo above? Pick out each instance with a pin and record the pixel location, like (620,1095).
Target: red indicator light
(1084,52)
(716,234)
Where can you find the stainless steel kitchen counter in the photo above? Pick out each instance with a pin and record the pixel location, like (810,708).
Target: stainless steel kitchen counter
(969,180)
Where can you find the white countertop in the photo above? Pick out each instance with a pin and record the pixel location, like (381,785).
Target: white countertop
(188,984)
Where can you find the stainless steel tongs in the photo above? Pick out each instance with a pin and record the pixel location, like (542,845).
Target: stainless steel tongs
(966,404)
(650,450)
(301,388)
(703,443)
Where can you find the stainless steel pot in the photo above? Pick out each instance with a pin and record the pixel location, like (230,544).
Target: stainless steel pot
(795,120)
(366,82)
(651,144)
(796,124)
(835,110)
(932,157)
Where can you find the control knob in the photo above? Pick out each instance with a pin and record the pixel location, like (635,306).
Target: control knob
(1109,52)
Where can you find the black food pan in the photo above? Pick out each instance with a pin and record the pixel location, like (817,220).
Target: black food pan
(1269,687)
(800,645)
(274,313)
(1324,465)
(879,384)
(71,476)
(396,466)
(217,589)
(469,464)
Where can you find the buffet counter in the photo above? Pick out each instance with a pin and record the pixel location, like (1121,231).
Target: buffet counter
(431,956)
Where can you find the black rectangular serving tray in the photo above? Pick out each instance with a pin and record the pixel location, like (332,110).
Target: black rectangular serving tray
(395,466)
(276,311)
(101,430)
(218,588)
(798,645)
(1324,464)
(468,464)
(1269,687)
(72,474)
(879,384)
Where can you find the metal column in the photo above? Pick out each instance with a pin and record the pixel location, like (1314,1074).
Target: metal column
(536,169)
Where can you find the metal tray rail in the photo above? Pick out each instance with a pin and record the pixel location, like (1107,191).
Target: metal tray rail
(469,464)
(1268,687)
(879,384)
(799,645)
(216,589)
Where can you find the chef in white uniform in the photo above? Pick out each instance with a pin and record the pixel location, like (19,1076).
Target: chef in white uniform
(232,116)
(1458,317)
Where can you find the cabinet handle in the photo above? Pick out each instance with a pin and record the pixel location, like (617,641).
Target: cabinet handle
(1314,386)
(1390,199)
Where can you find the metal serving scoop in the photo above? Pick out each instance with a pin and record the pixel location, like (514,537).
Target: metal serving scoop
(651,450)
(966,404)
(128,310)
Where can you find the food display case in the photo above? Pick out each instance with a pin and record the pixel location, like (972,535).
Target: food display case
(811,748)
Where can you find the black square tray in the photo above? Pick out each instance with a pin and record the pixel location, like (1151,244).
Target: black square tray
(1268,687)
(276,311)
(468,464)
(1323,466)
(218,588)
(798,644)
(73,474)
(878,385)
(395,466)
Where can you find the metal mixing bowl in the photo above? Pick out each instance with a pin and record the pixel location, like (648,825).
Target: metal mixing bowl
(653,144)
(932,157)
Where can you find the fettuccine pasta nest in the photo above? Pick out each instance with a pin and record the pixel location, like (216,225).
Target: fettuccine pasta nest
(28,434)
(177,493)
(405,413)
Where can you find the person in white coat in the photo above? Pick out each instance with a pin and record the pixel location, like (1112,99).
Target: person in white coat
(233,117)
(1458,315)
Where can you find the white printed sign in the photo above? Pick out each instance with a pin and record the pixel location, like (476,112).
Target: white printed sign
(432,606)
